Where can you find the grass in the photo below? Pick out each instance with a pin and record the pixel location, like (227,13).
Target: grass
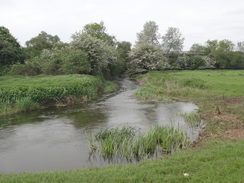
(128,143)
(209,89)
(18,94)
(192,118)
(216,161)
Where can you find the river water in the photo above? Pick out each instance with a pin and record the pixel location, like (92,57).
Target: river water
(56,138)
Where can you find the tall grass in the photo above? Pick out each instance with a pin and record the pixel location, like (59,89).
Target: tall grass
(129,143)
(152,93)
(27,93)
(192,118)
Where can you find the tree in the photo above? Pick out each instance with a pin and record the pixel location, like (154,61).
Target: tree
(123,49)
(146,57)
(36,45)
(172,41)
(240,46)
(100,55)
(99,31)
(197,49)
(149,34)
(10,50)
(221,52)
(76,62)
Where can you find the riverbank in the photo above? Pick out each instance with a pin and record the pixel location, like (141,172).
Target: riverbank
(218,93)
(20,93)
(215,161)
(219,155)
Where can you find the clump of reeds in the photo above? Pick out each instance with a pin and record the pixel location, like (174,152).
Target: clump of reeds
(192,118)
(130,144)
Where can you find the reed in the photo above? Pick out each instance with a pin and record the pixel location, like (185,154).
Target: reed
(131,144)
(193,119)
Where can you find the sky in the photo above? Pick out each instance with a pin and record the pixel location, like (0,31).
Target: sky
(198,20)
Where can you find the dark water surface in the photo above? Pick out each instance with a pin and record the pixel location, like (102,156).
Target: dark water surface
(55,138)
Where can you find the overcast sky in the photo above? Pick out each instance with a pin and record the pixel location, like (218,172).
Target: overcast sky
(198,20)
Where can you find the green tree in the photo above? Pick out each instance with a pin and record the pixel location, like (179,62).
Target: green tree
(172,41)
(101,56)
(222,52)
(76,62)
(197,49)
(98,30)
(240,46)
(149,34)
(123,49)
(43,41)
(10,50)
(146,57)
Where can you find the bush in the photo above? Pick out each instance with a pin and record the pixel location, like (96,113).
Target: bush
(23,69)
(76,62)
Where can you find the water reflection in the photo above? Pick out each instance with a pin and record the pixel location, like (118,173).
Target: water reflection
(56,138)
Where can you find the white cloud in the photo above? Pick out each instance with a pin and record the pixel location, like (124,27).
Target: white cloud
(198,20)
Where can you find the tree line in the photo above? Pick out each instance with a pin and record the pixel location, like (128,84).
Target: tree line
(93,51)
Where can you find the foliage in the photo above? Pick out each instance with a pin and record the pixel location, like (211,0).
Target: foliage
(172,41)
(240,46)
(123,49)
(197,49)
(146,57)
(219,54)
(41,90)
(149,34)
(26,69)
(98,31)
(101,56)
(37,44)
(55,61)
(76,62)
(182,62)
(10,50)
(49,61)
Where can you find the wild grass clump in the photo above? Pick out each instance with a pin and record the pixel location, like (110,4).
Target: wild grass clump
(192,118)
(128,143)
(109,86)
(193,83)
(151,92)
(25,104)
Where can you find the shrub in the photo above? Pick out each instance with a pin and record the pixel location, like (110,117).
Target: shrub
(76,62)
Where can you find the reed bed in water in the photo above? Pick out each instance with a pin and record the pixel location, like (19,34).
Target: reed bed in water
(131,144)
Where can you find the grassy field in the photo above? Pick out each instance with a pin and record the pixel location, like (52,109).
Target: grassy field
(20,93)
(217,157)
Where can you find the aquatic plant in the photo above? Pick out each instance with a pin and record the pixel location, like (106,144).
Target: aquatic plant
(129,143)
(192,118)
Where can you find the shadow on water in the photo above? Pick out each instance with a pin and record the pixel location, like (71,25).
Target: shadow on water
(56,138)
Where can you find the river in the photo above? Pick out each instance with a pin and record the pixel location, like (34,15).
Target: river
(56,138)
